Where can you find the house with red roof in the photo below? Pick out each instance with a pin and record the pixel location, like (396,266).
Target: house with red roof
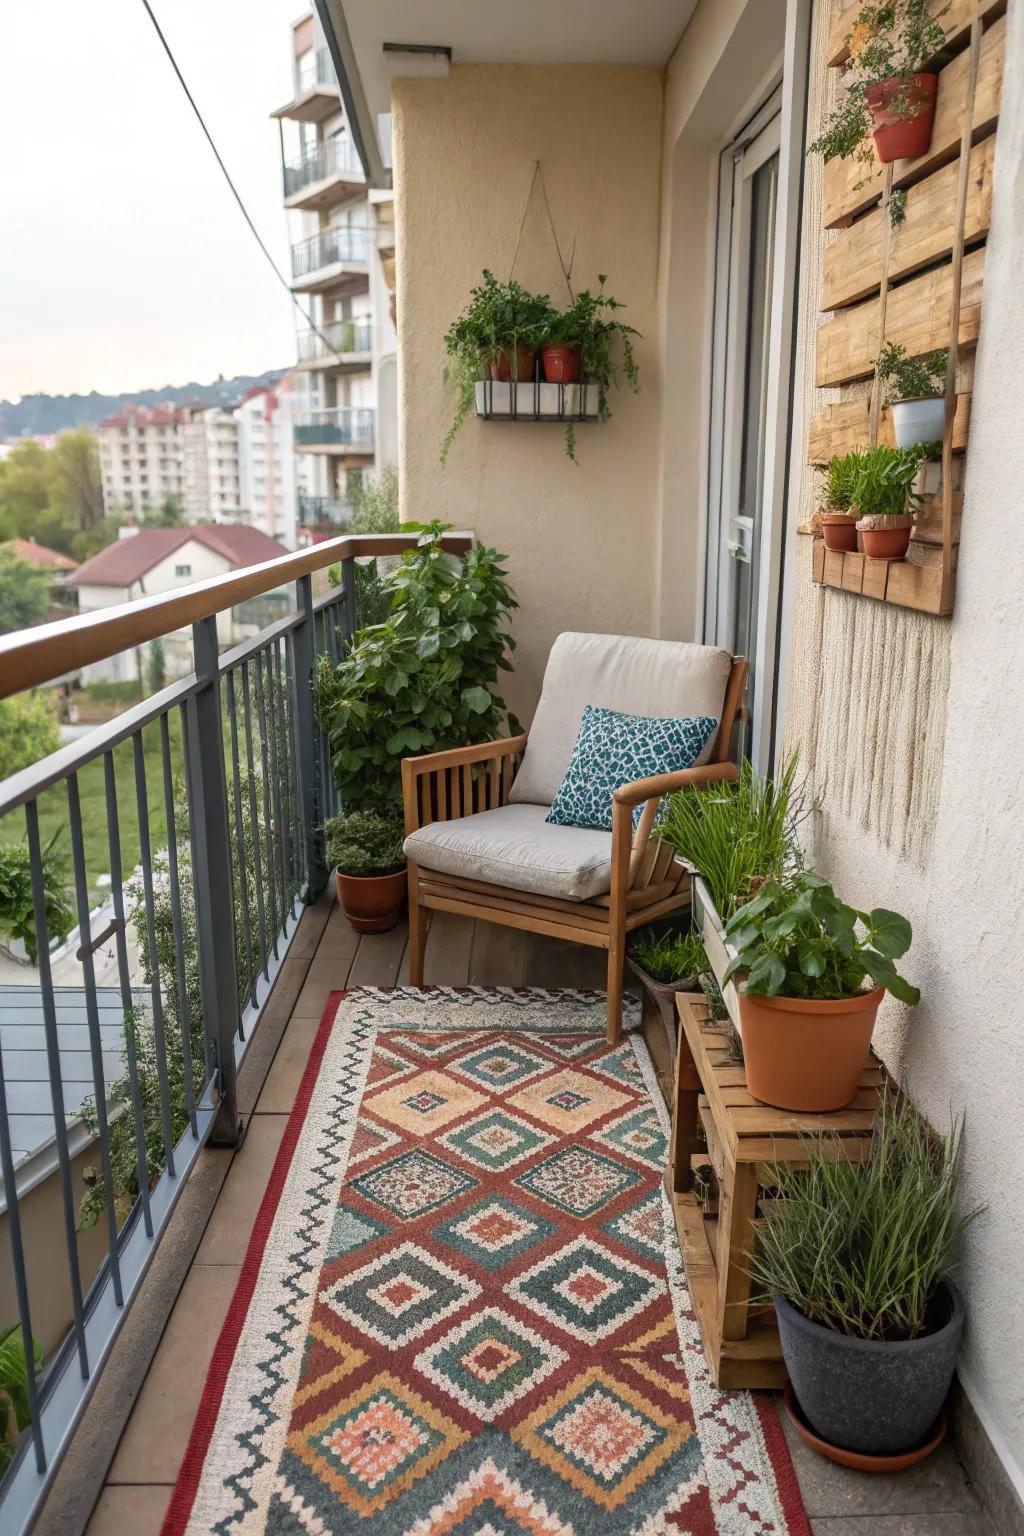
(143,562)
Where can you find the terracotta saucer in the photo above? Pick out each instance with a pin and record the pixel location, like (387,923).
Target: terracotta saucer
(855,1459)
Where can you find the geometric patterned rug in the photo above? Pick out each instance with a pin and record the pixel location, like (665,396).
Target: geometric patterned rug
(462,1311)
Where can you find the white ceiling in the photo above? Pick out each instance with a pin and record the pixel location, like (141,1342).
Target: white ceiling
(514,32)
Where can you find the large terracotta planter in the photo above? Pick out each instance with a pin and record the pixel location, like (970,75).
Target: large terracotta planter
(902,135)
(502,365)
(886,541)
(372,903)
(806,1054)
(561,364)
(840,531)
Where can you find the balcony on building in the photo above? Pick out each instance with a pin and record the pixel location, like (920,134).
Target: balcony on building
(333,260)
(327,175)
(347,431)
(321,514)
(339,345)
(316,89)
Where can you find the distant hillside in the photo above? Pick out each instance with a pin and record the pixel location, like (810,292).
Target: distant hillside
(39,414)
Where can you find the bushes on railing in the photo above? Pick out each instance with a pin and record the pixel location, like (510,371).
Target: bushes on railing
(17,909)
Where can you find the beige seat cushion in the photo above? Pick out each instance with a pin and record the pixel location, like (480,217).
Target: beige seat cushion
(640,677)
(515,846)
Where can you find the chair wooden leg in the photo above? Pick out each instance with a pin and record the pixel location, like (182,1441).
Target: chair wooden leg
(622,838)
(417,930)
(616,965)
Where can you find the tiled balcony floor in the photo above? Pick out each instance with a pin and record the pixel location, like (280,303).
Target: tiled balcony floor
(934,1499)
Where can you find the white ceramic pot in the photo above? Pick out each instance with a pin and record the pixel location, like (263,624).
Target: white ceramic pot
(918,421)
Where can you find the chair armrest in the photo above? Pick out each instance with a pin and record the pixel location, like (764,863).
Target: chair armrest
(665,783)
(648,793)
(441,786)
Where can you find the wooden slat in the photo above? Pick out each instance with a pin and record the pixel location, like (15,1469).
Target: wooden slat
(853,572)
(928,526)
(842,427)
(844,198)
(460,885)
(918,318)
(852,266)
(902,582)
(955,16)
(512,917)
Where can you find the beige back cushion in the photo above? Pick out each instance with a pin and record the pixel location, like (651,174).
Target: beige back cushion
(639,677)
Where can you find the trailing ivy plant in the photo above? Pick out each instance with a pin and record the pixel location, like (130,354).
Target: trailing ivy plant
(911,378)
(423,679)
(605,343)
(498,318)
(797,939)
(886,42)
(17,908)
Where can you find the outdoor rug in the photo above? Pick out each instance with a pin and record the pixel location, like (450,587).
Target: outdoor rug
(462,1311)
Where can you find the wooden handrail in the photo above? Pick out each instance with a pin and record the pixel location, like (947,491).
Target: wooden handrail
(29,657)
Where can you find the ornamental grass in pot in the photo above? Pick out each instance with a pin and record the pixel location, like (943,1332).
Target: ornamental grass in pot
(667,962)
(806,1016)
(916,395)
(885,500)
(857,1258)
(836,514)
(365,850)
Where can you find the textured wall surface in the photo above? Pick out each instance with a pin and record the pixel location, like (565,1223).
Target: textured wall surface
(579,536)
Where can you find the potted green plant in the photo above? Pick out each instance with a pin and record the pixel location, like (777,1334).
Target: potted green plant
(915,393)
(886,91)
(588,340)
(365,850)
(836,515)
(498,333)
(805,1015)
(667,962)
(857,1257)
(885,500)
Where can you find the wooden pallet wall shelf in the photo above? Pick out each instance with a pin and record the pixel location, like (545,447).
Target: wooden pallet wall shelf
(918,283)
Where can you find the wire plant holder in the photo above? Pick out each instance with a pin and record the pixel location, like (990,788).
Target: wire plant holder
(536,400)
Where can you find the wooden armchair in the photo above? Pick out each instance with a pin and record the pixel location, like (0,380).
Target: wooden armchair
(641,879)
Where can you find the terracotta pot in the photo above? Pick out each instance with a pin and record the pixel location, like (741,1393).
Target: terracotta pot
(888,542)
(525,358)
(561,364)
(840,530)
(806,1054)
(372,903)
(902,135)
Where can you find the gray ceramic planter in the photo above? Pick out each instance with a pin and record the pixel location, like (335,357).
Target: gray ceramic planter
(664,992)
(864,1395)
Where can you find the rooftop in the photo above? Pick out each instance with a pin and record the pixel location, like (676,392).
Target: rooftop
(127,560)
(39,555)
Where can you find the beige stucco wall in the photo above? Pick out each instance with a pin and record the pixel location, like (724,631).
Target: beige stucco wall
(579,536)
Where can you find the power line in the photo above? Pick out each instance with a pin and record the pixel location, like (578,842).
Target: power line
(234,190)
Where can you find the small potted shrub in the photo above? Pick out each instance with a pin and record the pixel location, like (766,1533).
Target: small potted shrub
(805,1015)
(836,515)
(667,963)
(885,500)
(857,1258)
(365,848)
(886,92)
(916,394)
(498,332)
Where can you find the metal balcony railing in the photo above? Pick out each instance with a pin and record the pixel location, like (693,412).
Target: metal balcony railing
(170,852)
(335,157)
(313,68)
(338,338)
(348,426)
(342,242)
(322,512)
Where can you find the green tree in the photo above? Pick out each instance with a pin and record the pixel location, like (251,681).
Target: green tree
(75,486)
(156,670)
(23,592)
(28,731)
(24,487)
(88,543)
(169,514)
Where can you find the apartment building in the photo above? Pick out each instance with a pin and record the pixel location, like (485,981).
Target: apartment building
(272,480)
(345,417)
(142,458)
(210,442)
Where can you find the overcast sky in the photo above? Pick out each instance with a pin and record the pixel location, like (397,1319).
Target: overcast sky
(124,262)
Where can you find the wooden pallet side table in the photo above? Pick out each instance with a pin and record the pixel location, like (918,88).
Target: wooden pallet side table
(743,1139)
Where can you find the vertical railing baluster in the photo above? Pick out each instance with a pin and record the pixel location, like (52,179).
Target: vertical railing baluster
(92,1017)
(287,738)
(300,867)
(187,729)
(273,713)
(313,813)
(236,785)
(20,1277)
(35,855)
(159,1034)
(184,1012)
(268,830)
(124,976)
(348,615)
(254,823)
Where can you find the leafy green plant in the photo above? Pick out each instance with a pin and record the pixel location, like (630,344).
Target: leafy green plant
(498,318)
(376,511)
(17,909)
(911,378)
(669,956)
(365,843)
(897,206)
(883,488)
(14,1385)
(421,680)
(28,731)
(605,343)
(797,939)
(861,1248)
(737,834)
(887,42)
(840,482)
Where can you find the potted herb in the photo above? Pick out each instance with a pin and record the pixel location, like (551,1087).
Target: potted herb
(857,1258)
(915,392)
(886,91)
(587,340)
(498,332)
(805,1015)
(836,515)
(365,848)
(667,962)
(885,500)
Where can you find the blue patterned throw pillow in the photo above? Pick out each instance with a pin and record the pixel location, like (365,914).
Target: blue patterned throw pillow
(613,749)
